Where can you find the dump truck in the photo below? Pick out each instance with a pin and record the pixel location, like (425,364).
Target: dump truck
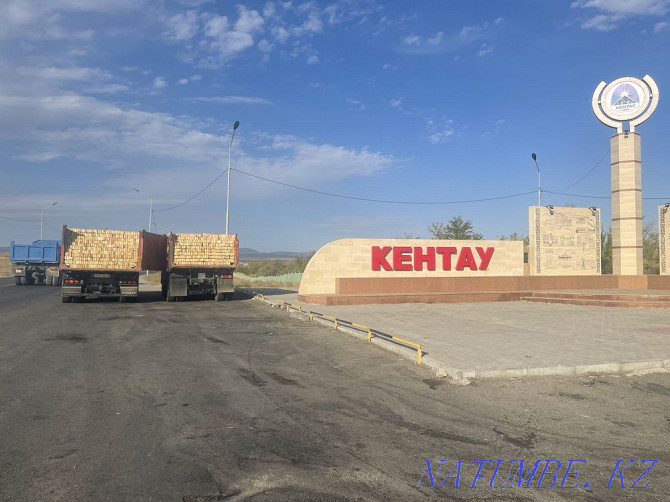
(35,263)
(107,263)
(200,264)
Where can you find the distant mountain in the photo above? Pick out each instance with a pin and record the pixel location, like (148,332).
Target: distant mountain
(248,254)
(4,250)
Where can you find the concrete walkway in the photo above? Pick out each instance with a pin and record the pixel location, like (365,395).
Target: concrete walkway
(511,339)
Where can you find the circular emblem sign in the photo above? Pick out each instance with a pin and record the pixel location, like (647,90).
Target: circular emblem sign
(626,100)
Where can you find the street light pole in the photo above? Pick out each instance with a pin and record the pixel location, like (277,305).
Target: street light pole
(42,217)
(151,206)
(230,147)
(539,183)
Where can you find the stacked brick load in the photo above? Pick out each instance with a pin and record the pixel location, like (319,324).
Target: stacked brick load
(204,250)
(100,249)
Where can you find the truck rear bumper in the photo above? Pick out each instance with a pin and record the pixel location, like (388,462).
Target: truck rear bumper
(71,290)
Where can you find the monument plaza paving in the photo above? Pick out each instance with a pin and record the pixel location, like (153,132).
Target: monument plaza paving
(506,339)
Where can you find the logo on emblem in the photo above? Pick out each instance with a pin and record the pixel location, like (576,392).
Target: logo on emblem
(626,102)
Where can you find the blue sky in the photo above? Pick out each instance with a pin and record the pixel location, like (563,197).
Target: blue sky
(420,102)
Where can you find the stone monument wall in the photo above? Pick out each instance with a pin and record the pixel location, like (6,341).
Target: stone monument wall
(564,240)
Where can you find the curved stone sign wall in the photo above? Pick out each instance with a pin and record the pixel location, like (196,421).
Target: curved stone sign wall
(416,258)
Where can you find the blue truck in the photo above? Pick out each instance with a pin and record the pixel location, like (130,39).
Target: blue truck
(36,263)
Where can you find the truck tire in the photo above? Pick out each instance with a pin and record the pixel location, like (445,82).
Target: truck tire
(17,281)
(55,281)
(66,299)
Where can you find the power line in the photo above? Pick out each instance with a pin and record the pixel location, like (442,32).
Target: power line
(189,200)
(16,219)
(576,195)
(590,171)
(599,196)
(384,201)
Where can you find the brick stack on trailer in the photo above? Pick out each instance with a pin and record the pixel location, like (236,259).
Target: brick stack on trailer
(100,263)
(200,264)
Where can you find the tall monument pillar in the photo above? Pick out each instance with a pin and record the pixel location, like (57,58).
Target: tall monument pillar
(626,204)
(624,104)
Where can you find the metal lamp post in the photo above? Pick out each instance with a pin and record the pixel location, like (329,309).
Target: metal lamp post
(151,206)
(42,217)
(539,184)
(230,147)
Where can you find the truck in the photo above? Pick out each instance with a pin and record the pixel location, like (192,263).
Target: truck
(107,263)
(199,265)
(35,263)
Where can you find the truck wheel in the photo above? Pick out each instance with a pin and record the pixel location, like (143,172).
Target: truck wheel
(17,281)
(55,281)
(66,299)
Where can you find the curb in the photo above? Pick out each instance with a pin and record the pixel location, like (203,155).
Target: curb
(463,376)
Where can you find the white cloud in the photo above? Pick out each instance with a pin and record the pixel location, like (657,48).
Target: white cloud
(659,27)
(484,50)
(411,40)
(265,46)
(186,81)
(310,163)
(250,21)
(233,100)
(626,7)
(106,89)
(40,19)
(468,32)
(281,34)
(439,130)
(355,105)
(396,102)
(183,26)
(612,12)
(391,67)
(60,74)
(216,26)
(436,40)
(313,59)
(159,83)
(86,128)
(441,137)
(601,22)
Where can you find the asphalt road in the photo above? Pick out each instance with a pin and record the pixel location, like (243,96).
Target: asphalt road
(234,400)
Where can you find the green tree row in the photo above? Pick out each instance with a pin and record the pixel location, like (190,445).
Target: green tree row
(651,260)
(276,267)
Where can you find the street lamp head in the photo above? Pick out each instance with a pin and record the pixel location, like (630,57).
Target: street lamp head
(534,156)
(236,125)
(54,203)
(135,190)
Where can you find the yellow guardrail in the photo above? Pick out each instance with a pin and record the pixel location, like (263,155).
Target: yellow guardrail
(340,322)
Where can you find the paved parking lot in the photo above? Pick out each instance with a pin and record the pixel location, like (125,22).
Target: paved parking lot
(502,339)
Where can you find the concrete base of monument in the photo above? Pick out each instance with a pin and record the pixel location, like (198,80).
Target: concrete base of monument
(650,291)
